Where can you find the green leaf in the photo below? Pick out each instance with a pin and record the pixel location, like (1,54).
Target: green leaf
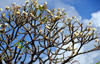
(41,8)
(19,47)
(65,14)
(14,45)
(18,43)
(23,47)
(7,54)
(0,58)
(21,42)
(98,62)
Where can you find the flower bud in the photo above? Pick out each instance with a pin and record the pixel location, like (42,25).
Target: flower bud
(96,40)
(90,22)
(73,17)
(45,3)
(26,2)
(80,34)
(48,27)
(1,9)
(7,8)
(94,29)
(18,13)
(63,10)
(58,9)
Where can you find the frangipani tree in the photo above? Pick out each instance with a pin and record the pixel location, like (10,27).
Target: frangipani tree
(33,31)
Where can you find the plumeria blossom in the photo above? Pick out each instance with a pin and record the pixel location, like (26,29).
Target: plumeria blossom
(46,37)
(63,10)
(26,1)
(14,3)
(18,6)
(32,0)
(77,31)
(19,46)
(76,34)
(75,52)
(7,8)
(68,19)
(45,3)
(32,24)
(94,29)
(90,22)
(73,17)
(96,40)
(80,34)
(48,11)
(75,20)
(31,15)
(58,9)
(0,25)
(24,13)
(88,34)
(3,14)
(87,24)
(26,41)
(6,24)
(51,14)
(59,13)
(89,29)
(56,17)
(40,5)
(18,13)
(35,2)
(75,48)
(40,31)
(1,9)
(48,27)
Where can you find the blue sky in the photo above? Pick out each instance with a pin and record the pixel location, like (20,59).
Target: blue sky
(84,10)
(84,7)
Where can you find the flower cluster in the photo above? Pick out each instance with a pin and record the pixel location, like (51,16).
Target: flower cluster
(24,13)
(76,34)
(31,15)
(26,2)
(96,40)
(17,12)
(1,9)
(7,8)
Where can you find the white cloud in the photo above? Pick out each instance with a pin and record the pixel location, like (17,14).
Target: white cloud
(86,58)
(95,19)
